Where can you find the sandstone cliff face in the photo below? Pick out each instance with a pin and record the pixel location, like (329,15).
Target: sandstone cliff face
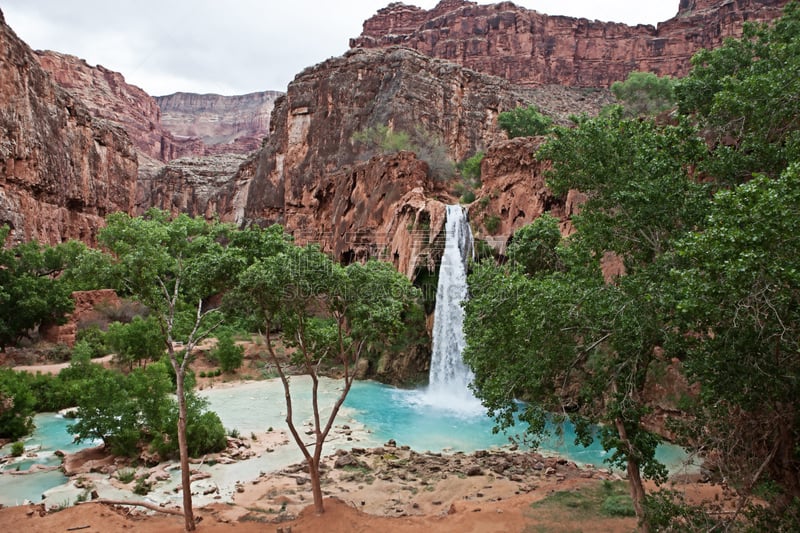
(530,48)
(197,186)
(225,124)
(61,170)
(108,96)
(308,176)
(513,192)
(190,124)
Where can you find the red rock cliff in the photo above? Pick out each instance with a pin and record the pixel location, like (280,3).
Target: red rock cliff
(61,170)
(225,124)
(530,48)
(309,176)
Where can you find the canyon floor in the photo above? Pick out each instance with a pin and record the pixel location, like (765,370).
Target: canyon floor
(391,489)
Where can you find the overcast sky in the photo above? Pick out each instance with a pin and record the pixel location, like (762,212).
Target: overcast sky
(236,46)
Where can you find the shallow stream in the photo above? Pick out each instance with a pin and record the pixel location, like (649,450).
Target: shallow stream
(374,413)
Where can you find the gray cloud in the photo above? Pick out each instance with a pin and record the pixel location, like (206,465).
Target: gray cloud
(236,46)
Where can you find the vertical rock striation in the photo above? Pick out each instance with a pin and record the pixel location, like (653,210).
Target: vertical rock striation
(534,49)
(61,170)
(311,175)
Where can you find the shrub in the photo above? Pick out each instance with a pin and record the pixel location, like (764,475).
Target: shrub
(471,167)
(205,434)
(142,487)
(228,353)
(524,122)
(59,353)
(491,223)
(18,448)
(95,340)
(124,312)
(383,139)
(126,475)
(644,93)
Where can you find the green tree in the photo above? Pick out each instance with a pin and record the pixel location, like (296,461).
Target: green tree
(329,314)
(173,266)
(16,405)
(644,93)
(31,292)
(137,342)
(106,412)
(524,122)
(131,411)
(743,96)
(739,284)
(228,353)
(534,246)
(551,329)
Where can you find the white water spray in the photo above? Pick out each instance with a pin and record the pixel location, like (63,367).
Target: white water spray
(449,376)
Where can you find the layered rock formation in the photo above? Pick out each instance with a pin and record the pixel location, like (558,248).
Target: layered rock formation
(109,96)
(310,175)
(225,124)
(197,186)
(61,170)
(513,192)
(189,125)
(530,48)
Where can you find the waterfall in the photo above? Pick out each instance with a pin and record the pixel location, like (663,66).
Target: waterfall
(449,376)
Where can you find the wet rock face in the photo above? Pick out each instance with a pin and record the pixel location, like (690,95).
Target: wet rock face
(61,170)
(530,48)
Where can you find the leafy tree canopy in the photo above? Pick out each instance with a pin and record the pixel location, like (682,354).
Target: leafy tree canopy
(31,292)
(644,93)
(524,122)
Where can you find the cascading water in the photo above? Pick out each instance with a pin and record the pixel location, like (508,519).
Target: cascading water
(449,376)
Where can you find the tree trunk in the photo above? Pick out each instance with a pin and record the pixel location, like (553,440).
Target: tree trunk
(186,483)
(316,485)
(634,478)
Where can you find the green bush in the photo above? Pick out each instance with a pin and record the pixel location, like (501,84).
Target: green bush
(471,167)
(205,434)
(491,223)
(17,419)
(126,475)
(142,487)
(524,122)
(644,93)
(94,339)
(383,139)
(228,353)
(18,448)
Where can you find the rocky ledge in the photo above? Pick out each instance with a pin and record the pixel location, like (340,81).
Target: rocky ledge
(411,482)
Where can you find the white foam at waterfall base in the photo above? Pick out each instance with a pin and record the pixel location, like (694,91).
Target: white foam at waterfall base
(448,387)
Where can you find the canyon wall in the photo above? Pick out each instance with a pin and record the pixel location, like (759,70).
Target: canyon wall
(61,169)
(534,49)
(167,127)
(225,124)
(316,180)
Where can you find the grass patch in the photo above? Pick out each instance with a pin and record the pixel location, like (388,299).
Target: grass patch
(573,510)
(126,475)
